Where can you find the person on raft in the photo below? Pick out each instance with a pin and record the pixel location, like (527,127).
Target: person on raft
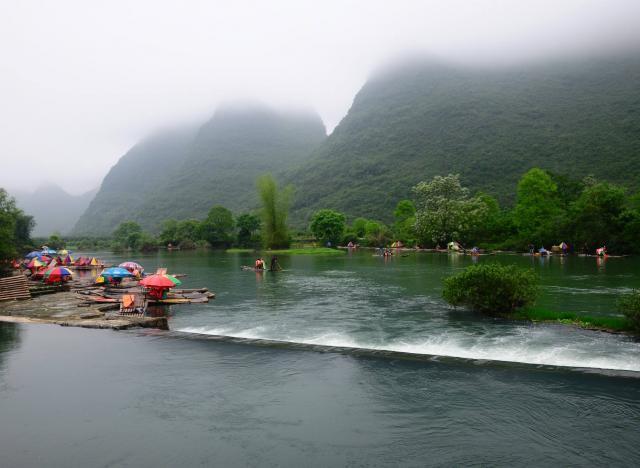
(275,265)
(602,251)
(260,264)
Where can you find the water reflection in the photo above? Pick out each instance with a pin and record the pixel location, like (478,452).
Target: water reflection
(9,340)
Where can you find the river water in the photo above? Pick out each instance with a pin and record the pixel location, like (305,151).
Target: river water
(471,390)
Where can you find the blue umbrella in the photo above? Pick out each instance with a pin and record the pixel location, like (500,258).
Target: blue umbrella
(48,251)
(35,253)
(116,272)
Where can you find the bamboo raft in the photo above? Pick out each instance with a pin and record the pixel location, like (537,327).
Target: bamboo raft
(14,288)
(114,296)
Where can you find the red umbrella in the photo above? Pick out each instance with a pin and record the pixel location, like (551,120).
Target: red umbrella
(56,274)
(38,274)
(157,281)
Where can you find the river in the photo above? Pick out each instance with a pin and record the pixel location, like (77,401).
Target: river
(471,390)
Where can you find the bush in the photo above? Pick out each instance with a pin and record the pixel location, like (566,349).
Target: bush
(491,288)
(629,305)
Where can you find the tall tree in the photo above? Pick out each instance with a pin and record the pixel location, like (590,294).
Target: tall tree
(217,228)
(445,211)
(247,225)
(538,215)
(168,235)
(128,235)
(597,216)
(328,226)
(15,228)
(405,220)
(275,210)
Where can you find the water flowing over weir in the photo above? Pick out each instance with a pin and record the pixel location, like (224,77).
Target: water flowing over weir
(394,305)
(574,356)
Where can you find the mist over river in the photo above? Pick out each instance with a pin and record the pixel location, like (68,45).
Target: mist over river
(477,390)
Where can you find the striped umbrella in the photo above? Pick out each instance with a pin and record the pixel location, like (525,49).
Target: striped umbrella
(131,266)
(57,274)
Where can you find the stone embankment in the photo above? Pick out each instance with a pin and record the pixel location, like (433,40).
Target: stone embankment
(64,308)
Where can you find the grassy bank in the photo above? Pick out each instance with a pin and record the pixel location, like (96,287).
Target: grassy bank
(606,323)
(305,251)
(240,250)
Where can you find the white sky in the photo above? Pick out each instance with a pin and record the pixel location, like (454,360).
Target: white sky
(82,81)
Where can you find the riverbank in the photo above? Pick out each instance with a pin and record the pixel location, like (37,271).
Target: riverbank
(294,251)
(610,324)
(66,309)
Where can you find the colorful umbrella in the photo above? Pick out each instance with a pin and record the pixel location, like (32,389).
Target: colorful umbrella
(41,272)
(35,263)
(115,272)
(131,266)
(159,281)
(34,254)
(63,252)
(175,280)
(56,275)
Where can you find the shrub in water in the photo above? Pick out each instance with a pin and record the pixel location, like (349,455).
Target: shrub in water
(491,288)
(629,305)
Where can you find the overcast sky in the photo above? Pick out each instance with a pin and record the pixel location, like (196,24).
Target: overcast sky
(82,81)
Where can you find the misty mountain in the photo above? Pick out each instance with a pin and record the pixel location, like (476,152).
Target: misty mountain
(182,174)
(53,209)
(423,118)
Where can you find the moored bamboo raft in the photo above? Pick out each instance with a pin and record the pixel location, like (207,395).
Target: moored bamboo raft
(14,288)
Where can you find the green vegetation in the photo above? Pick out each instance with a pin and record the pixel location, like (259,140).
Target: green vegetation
(423,118)
(491,288)
(238,250)
(248,230)
(305,251)
(607,323)
(181,173)
(218,227)
(507,291)
(537,210)
(629,305)
(446,212)
(274,212)
(15,230)
(328,226)
(130,236)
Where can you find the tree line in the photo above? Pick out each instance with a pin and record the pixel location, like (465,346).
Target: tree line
(549,208)
(15,230)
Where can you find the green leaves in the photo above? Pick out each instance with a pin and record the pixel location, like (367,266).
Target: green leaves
(275,210)
(218,227)
(328,226)
(491,288)
(445,211)
(538,214)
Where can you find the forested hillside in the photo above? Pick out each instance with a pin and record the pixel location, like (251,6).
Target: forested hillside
(183,174)
(134,179)
(423,118)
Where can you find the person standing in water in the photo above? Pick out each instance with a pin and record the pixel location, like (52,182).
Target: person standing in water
(275,265)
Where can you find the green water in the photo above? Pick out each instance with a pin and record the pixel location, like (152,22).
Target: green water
(478,391)
(359,300)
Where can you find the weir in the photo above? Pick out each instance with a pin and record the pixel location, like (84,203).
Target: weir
(388,354)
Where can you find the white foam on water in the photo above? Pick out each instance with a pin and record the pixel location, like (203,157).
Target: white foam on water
(528,346)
